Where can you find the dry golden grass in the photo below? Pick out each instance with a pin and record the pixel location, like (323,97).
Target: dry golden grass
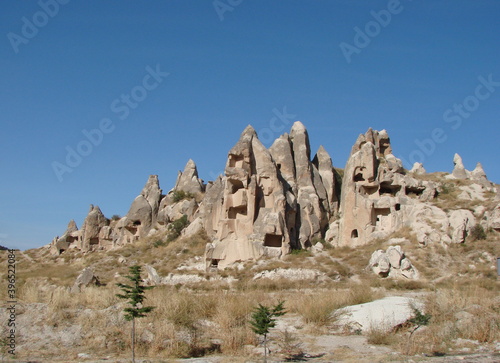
(324,308)
(381,336)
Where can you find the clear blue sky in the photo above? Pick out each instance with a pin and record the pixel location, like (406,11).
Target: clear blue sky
(67,71)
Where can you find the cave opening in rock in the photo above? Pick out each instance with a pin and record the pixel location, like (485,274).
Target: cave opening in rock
(272,240)
(235,185)
(354,233)
(414,191)
(237,212)
(389,189)
(236,161)
(358,177)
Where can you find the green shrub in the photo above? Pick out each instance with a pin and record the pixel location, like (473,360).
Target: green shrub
(159,243)
(176,228)
(477,233)
(179,195)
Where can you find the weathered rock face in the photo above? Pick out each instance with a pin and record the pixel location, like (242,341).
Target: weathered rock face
(141,216)
(392,263)
(461,222)
(86,278)
(251,215)
(375,191)
(459,170)
(92,225)
(493,219)
(188,180)
(323,164)
(418,169)
(71,238)
(270,201)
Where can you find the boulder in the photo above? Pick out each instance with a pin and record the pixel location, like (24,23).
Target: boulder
(395,255)
(86,278)
(493,218)
(387,313)
(461,222)
(153,277)
(392,263)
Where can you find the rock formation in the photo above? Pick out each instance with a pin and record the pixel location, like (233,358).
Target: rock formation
(71,237)
(392,263)
(418,169)
(92,225)
(376,194)
(188,180)
(270,201)
(459,170)
(86,278)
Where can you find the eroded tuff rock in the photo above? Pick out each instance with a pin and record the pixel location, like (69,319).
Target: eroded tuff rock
(377,196)
(70,238)
(92,225)
(270,201)
(188,180)
(141,217)
(418,169)
(86,278)
(250,219)
(392,263)
(459,170)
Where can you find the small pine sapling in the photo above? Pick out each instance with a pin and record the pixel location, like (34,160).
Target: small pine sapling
(419,319)
(264,318)
(135,295)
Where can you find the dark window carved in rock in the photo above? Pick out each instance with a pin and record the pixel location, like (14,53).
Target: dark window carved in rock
(272,240)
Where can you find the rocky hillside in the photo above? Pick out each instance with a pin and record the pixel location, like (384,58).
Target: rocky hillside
(351,252)
(272,201)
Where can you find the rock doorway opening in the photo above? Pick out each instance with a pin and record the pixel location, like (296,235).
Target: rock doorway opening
(272,240)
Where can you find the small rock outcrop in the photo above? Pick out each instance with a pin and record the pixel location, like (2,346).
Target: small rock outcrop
(418,169)
(461,223)
(86,278)
(70,238)
(141,216)
(392,263)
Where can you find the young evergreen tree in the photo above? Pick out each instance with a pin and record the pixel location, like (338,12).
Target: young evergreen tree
(264,318)
(135,295)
